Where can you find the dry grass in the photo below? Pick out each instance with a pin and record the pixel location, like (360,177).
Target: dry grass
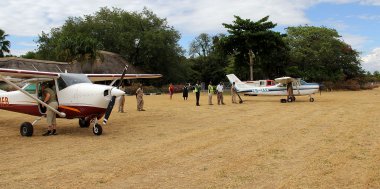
(331,143)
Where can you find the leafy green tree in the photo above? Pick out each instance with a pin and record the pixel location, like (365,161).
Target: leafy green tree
(376,75)
(317,54)
(144,39)
(4,44)
(254,40)
(29,55)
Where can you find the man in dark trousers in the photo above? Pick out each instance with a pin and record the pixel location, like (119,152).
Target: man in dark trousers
(197,90)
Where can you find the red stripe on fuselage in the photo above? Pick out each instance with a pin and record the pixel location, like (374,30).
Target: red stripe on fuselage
(84,111)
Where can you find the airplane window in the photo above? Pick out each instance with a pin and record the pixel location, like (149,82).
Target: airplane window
(30,88)
(70,79)
(61,84)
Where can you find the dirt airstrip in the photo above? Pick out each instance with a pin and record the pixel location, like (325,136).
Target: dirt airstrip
(333,142)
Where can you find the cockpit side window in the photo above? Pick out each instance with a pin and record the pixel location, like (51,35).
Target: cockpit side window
(31,88)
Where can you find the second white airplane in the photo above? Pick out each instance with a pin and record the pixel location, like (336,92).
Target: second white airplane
(286,86)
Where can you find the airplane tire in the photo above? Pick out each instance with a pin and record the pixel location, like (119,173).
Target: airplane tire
(97,129)
(293,98)
(290,99)
(83,123)
(26,129)
(311,99)
(283,100)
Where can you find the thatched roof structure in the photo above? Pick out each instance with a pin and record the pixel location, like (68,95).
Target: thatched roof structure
(108,63)
(31,64)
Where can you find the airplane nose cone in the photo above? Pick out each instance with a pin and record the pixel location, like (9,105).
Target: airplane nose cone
(117,92)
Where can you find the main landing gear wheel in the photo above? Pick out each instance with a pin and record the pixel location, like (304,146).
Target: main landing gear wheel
(97,129)
(311,99)
(283,100)
(83,123)
(26,129)
(290,99)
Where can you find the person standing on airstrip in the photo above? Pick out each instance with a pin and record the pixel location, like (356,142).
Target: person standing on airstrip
(50,98)
(219,90)
(210,93)
(197,90)
(122,100)
(233,93)
(185,92)
(139,98)
(171,90)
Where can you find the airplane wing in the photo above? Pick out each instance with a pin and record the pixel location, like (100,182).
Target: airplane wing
(27,74)
(285,80)
(108,77)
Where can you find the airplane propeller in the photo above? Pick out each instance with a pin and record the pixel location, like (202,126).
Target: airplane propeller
(114,94)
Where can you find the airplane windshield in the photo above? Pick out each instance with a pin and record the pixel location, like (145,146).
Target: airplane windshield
(303,82)
(70,79)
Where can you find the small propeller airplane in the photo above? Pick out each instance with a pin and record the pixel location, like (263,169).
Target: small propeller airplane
(77,96)
(286,86)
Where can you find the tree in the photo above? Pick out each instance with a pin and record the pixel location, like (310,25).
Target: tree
(317,54)
(209,60)
(246,36)
(29,55)
(4,44)
(201,46)
(144,39)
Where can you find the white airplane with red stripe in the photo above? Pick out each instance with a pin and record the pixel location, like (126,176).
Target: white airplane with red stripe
(298,88)
(77,96)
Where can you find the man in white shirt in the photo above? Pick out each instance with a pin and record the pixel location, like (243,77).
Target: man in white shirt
(219,90)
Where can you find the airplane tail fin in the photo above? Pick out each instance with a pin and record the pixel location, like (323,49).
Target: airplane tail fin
(232,78)
(239,85)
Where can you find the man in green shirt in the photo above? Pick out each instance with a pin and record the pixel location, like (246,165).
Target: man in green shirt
(210,93)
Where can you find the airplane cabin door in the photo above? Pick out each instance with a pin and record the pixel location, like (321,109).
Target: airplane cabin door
(40,95)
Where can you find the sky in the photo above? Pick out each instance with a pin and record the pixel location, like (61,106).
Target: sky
(357,21)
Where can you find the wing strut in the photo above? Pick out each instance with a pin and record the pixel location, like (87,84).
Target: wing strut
(61,114)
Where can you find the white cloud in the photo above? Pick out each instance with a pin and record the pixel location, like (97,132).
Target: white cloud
(190,17)
(371,2)
(356,41)
(29,18)
(369,17)
(371,62)
(18,52)
(27,44)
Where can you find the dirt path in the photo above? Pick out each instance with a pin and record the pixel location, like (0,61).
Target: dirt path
(331,143)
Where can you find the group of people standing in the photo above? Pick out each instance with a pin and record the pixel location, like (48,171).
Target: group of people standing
(185,94)
(139,98)
(210,92)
